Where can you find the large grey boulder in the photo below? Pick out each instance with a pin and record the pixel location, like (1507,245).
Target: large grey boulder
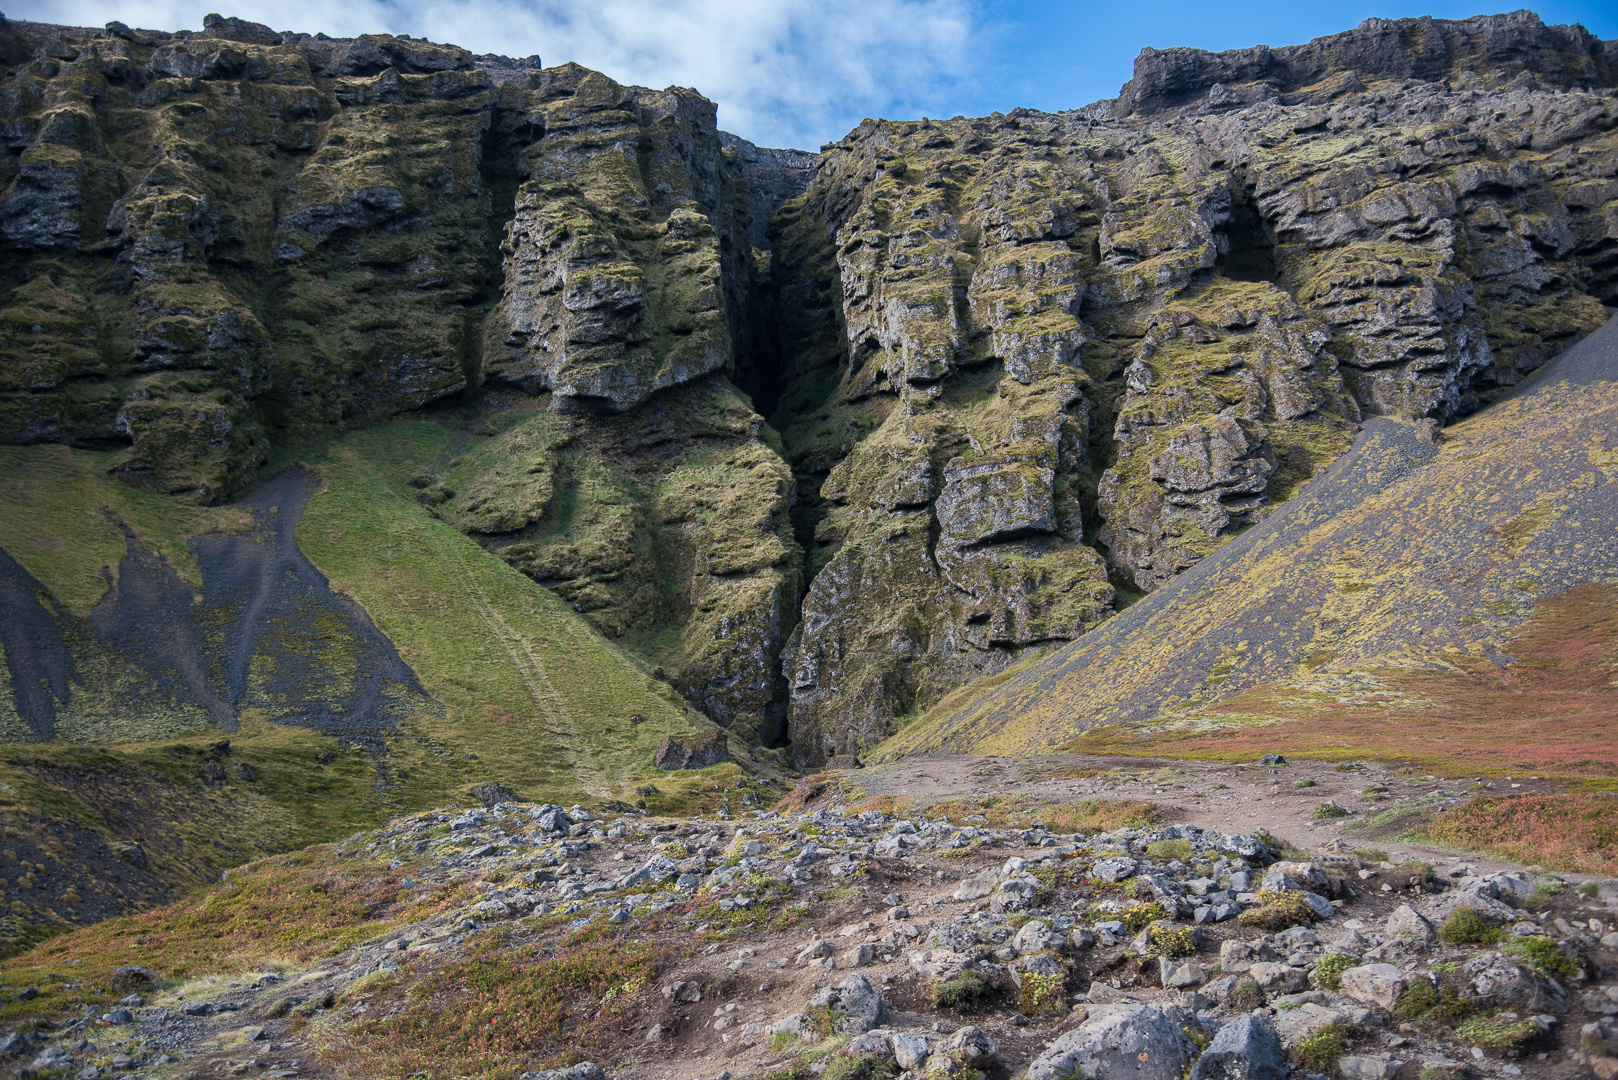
(1246,1048)
(1135,1041)
(1374,984)
(1407,922)
(855,997)
(584,1070)
(1495,981)
(1035,936)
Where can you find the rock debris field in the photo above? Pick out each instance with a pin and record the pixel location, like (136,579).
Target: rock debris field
(867,945)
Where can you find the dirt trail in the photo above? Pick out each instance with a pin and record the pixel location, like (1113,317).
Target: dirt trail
(1211,795)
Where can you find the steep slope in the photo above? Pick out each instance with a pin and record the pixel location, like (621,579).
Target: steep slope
(1030,359)
(1405,555)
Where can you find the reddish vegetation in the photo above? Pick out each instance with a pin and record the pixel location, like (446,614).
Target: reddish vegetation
(1553,710)
(1570,832)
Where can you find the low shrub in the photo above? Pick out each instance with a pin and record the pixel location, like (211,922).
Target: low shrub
(963,989)
(1319,1052)
(1299,785)
(1574,832)
(1139,916)
(1278,911)
(1329,972)
(1466,927)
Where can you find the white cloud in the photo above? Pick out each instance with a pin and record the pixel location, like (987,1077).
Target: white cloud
(784,72)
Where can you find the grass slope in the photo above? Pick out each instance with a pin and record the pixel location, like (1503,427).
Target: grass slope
(523,691)
(60,517)
(1401,557)
(543,701)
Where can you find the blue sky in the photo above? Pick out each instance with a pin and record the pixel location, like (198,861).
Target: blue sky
(802,72)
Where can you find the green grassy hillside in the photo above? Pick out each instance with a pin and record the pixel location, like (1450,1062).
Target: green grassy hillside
(515,687)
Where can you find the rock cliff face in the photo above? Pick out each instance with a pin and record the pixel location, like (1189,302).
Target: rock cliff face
(1013,368)
(1079,351)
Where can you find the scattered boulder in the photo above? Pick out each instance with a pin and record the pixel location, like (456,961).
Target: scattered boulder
(1375,984)
(1137,1041)
(854,997)
(1115,869)
(1036,936)
(1246,1048)
(584,1070)
(978,885)
(1407,922)
(973,1044)
(910,1051)
(491,793)
(1495,981)
(1279,978)
(1236,955)
(695,751)
(688,991)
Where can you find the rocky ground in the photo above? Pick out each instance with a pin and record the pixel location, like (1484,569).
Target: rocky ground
(1375,801)
(869,944)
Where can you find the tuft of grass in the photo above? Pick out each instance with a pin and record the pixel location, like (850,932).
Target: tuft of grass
(301,906)
(1245,996)
(1102,815)
(1542,956)
(1168,940)
(1040,995)
(1466,927)
(846,1066)
(963,989)
(1329,811)
(1170,849)
(1546,894)
(1502,1032)
(1427,1005)
(1300,785)
(536,1002)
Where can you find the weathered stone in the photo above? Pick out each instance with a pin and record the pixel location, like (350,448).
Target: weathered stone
(691,752)
(1406,922)
(1275,978)
(1375,984)
(854,997)
(1134,1040)
(1246,1048)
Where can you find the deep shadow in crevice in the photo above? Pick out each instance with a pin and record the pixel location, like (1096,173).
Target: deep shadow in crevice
(1250,254)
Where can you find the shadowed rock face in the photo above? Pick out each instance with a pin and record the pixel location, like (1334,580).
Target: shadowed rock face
(1009,366)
